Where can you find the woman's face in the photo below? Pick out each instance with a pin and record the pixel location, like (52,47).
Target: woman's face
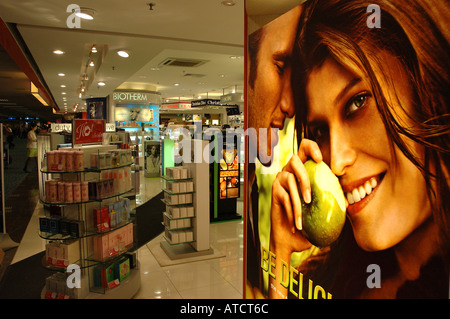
(386,192)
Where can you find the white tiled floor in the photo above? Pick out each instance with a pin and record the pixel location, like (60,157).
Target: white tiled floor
(219,278)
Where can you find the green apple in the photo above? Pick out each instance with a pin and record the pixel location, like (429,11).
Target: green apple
(323,218)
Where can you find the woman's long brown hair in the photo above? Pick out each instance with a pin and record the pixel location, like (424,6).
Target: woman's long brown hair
(416,32)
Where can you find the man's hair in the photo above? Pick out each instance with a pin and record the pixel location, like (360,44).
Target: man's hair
(253,48)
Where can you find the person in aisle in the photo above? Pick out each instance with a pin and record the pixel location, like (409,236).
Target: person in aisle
(377,112)
(31,147)
(269,103)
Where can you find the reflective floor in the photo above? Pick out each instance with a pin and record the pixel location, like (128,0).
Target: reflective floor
(218,278)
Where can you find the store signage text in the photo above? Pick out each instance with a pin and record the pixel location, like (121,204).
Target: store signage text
(110,127)
(205,102)
(88,131)
(176,106)
(61,127)
(129,96)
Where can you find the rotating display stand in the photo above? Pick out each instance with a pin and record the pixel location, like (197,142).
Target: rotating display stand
(92,232)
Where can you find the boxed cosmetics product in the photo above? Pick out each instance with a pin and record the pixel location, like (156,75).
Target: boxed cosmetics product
(172,236)
(101,219)
(122,268)
(70,251)
(183,173)
(173,187)
(169,222)
(189,235)
(173,172)
(171,199)
(172,211)
(62,254)
(53,226)
(182,236)
(110,244)
(177,172)
(44,224)
(105,277)
(190,211)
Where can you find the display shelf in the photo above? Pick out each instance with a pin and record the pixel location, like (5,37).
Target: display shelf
(60,265)
(170,204)
(106,220)
(169,241)
(88,233)
(86,169)
(92,260)
(190,180)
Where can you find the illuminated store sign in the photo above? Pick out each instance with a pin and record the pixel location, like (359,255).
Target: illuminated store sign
(130,96)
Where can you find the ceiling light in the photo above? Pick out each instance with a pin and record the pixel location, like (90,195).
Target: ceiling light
(35,92)
(123,53)
(176,84)
(228,3)
(101,83)
(94,49)
(63,93)
(91,63)
(58,52)
(85,13)
(62,85)
(61,74)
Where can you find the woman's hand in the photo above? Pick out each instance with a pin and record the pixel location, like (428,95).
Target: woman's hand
(286,207)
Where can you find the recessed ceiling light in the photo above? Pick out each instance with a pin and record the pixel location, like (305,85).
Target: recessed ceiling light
(62,85)
(222,75)
(123,53)
(228,3)
(63,93)
(101,83)
(58,52)
(176,84)
(85,13)
(61,74)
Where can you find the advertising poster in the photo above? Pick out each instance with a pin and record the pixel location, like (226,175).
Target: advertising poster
(88,131)
(348,175)
(229,174)
(152,158)
(96,108)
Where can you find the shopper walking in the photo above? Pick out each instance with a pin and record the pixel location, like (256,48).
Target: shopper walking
(31,146)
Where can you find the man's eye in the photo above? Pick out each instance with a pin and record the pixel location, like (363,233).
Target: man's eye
(319,133)
(356,103)
(280,67)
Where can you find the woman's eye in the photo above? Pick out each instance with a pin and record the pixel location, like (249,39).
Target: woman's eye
(356,103)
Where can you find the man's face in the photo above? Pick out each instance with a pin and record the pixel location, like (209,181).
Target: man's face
(270,100)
